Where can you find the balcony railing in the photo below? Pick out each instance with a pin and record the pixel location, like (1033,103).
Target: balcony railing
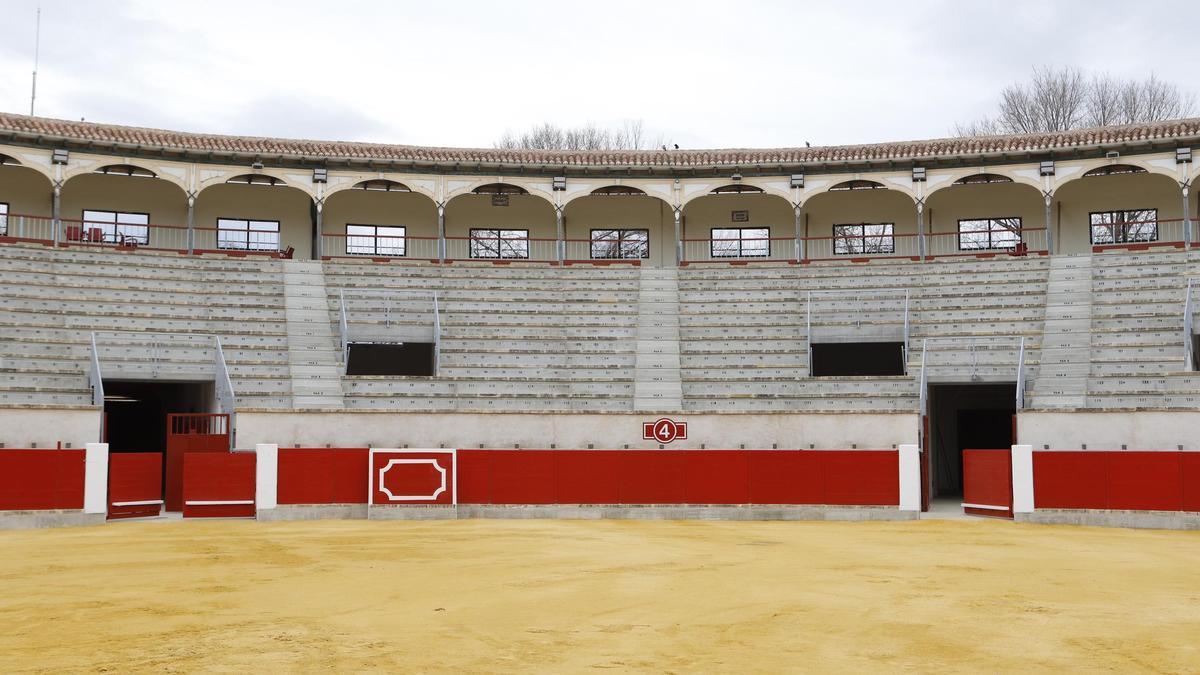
(1140,234)
(1026,240)
(503,249)
(746,249)
(858,247)
(28,228)
(631,251)
(378,246)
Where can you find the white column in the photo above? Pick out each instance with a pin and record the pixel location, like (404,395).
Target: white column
(95,478)
(266,476)
(910,477)
(1022,478)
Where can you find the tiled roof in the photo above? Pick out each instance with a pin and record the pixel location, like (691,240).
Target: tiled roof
(50,130)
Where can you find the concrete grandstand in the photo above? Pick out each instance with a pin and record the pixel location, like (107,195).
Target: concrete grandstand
(1004,322)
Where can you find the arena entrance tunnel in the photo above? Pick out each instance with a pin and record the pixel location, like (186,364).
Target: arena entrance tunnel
(135,414)
(965,417)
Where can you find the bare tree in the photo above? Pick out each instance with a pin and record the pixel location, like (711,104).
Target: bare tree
(1065,98)
(630,135)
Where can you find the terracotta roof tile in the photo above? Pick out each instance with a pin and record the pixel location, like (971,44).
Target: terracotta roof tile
(103,134)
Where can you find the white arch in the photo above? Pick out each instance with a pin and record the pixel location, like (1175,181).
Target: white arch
(958,174)
(414,187)
(1081,168)
(225,175)
(76,170)
(546,195)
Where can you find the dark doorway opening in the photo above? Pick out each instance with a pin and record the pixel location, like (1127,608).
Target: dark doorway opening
(135,412)
(962,417)
(402,359)
(842,359)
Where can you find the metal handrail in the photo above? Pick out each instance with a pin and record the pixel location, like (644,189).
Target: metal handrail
(437,336)
(226,398)
(1189,340)
(343,329)
(808,327)
(973,345)
(1020,402)
(906,331)
(95,380)
(922,393)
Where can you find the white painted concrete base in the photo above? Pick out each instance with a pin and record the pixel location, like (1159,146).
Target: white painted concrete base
(646,512)
(29,520)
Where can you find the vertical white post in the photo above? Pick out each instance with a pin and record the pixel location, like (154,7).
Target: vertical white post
(910,477)
(1022,478)
(95,478)
(266,476)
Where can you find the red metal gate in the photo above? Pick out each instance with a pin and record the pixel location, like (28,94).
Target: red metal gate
(217,485)
(987,482)
(204,432)
(134,484)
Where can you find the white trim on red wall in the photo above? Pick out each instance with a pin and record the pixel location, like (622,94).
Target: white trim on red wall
(1022,478)
(95,478)
(910,477)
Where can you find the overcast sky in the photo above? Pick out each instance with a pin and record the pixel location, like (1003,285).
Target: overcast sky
(456,72)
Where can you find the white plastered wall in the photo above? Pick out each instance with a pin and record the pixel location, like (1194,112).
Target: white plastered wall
(46,427)
(755,431)
(584,214)
(1110,430)
(1075,200)
(291,207)
(26,191)
(415,212)
(164,201)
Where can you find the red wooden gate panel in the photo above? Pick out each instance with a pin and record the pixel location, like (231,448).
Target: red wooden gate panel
(134,484)
(987,482)
(219,485)
(191,433)
(33,480)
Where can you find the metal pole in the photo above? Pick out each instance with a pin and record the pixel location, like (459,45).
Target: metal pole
(679,253)
(318,252)
(1049,225)
(1187,217)
(559,243)
(191,225)
(56,221)
(799,209)
(808,329)
(921,230)
(441,210)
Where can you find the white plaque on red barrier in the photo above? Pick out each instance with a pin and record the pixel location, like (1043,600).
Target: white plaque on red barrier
(412,477)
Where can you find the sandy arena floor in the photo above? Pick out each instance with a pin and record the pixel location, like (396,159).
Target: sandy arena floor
(576,596)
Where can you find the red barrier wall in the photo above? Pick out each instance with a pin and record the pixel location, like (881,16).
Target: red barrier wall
(322,476)
(134,477)
(1120,480)
(218,476)
(33,480)
(412,477)
(836,477)
(987,480)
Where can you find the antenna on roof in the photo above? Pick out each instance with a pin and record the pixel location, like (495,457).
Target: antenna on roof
(37,47)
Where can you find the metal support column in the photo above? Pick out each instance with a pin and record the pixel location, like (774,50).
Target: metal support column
(318,247)
(191,224)
(560,244)
(678,236)
(798,208)
(921,250)
(1187,215)
(56,218)
(1049,224)
(441,209)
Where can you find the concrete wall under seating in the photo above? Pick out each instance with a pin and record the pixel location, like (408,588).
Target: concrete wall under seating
(1136,430)
(387,428)
(47,427)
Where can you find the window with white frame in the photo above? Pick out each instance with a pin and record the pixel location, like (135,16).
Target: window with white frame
(377,240)
(988,234)
(1119,227)
(115,227)
(864,239)
(620,244)
(3,219)
(243,234)
(502,244)
(740,242)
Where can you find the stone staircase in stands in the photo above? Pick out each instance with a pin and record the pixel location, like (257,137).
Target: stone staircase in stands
(657,384)
(1067,338)
(314,352)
